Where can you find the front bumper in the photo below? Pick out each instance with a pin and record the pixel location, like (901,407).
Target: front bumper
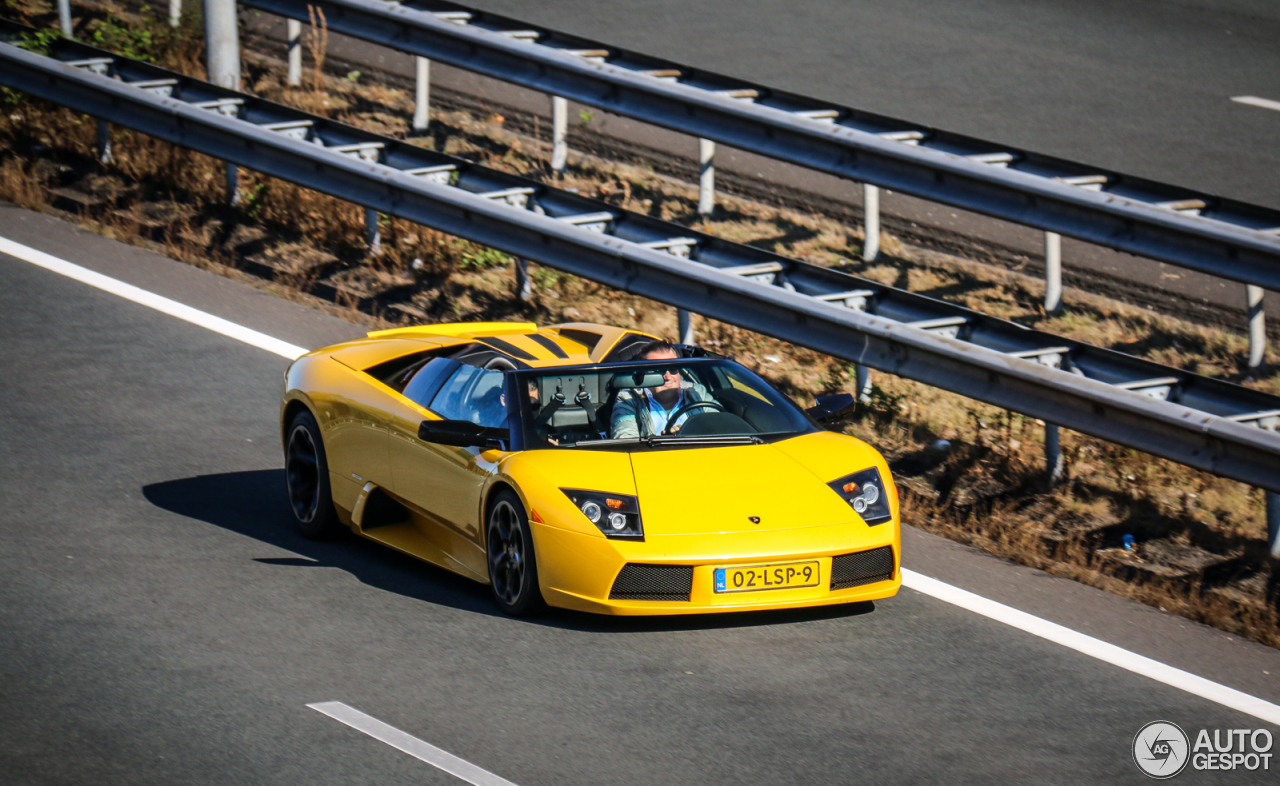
(577,571)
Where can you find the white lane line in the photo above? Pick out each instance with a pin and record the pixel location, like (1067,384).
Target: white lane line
(410,744)
(1096,648)
(143,297)
(1109,653)
(1265,103)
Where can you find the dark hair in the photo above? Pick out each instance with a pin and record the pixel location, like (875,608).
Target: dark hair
(657,346)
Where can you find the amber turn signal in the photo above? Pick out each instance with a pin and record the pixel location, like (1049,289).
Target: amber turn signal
(614,503)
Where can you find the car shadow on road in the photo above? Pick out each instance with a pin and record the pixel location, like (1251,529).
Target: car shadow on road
(253,504)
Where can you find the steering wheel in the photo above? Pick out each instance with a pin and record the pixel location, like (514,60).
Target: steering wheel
(675,416)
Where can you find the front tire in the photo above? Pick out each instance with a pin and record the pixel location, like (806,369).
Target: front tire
(513,571)
(306,474)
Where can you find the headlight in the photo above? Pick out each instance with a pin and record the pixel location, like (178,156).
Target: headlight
(616,515)
(864,491)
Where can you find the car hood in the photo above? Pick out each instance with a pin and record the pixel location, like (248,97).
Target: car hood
(726,489)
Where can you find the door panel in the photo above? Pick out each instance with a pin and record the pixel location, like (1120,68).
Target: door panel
(354,417)
(443,482)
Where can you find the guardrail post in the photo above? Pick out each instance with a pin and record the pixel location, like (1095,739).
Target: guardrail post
(372,232)
(104,141)
(222,58)
(1257,327)
(233,185)
(524,286)
(1273,523)
(175,12)
(870,223)
(1052,273)
(422,94)
(706,177)
(862,383)
(559,134)
(293,34)
(64,17)
(1052,452)
(684,323)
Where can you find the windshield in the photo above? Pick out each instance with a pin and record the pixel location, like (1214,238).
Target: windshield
(657,403)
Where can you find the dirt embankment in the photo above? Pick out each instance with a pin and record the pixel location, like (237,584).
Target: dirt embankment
(969,471)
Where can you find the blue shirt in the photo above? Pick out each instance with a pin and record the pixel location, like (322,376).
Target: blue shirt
(659,415)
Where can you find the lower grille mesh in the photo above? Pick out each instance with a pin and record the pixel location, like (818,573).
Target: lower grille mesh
(862,567)
(653,582)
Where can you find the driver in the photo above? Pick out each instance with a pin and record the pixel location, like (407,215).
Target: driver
(646,412)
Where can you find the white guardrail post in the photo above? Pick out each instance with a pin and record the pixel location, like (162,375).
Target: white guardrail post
(706,177)
(1273,523)
(1052,273)
(559,134)
(1257,327)
(524,286)
(870,222)
(175,12)
(104,141)
(862,383)
(64,17)
(373,233)
(684,326)
(1052,453)
(421,93)
(222,57)
(293,35)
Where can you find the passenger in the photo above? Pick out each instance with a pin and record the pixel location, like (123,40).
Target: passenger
(646,412)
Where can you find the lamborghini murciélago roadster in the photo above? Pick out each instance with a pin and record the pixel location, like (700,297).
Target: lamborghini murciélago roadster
(587,467)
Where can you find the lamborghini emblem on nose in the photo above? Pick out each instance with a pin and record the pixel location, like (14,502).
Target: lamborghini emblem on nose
(753,519)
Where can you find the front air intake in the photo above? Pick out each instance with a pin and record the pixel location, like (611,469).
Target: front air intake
(653,582)
(862,567)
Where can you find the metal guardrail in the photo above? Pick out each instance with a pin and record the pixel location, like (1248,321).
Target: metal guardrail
(1194,230)
(1201,422)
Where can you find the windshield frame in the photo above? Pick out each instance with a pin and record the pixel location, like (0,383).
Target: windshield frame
(522,416)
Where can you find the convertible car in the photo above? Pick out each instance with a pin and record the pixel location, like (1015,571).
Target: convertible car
(587,467)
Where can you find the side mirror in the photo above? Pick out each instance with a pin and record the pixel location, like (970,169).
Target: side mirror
(831,407)
(462,434)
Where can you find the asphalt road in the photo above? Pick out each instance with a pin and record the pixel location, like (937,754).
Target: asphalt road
(162,623)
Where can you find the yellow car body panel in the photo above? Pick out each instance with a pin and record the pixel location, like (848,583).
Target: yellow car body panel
(713,507)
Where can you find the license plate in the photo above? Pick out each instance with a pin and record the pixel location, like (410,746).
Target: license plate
(767,577)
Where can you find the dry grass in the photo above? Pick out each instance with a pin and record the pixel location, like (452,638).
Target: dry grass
(1200,539)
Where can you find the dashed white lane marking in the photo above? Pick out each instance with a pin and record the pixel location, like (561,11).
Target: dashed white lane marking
(403,741)
(1109,653)
(141,296)
(1265,103)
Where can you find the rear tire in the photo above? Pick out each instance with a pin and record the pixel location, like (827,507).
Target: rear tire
(306,474)
(513,571)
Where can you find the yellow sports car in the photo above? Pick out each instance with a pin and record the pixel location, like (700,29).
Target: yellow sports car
(588,467)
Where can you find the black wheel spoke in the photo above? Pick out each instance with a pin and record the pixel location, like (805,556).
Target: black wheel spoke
(302,474)
(506,552)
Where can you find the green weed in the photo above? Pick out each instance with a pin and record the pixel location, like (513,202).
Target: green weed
(484,259)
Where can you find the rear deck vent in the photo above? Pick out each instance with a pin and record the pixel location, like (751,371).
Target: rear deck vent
(653,582)
(862,567)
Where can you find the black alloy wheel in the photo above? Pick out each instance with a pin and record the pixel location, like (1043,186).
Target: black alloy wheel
(306,474)
(513,572)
